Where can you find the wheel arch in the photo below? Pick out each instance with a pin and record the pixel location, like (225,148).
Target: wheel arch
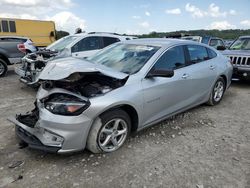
(3,57)
(130,110)
(225,79)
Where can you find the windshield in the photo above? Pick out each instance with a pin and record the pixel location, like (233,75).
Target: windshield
(126,58)
(241,44)
(61,43)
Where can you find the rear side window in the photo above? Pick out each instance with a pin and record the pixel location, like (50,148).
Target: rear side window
(197,53)
(89,43)
(109,40)
(5,26)
(211,53)
(172,59)
(12,26)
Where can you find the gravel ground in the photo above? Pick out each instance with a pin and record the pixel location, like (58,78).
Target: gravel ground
(203,147)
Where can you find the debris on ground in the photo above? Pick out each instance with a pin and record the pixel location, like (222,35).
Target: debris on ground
(199,186)
(19,177)
(15,164)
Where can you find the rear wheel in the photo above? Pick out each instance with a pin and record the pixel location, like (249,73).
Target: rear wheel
(217,92)
(109,132)
(3,67)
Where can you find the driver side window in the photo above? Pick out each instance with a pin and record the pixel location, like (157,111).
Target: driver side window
(172,59)
(89,43)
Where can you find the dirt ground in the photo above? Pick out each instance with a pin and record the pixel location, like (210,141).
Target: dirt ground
(203,147)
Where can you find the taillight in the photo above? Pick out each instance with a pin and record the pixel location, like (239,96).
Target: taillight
(21,47)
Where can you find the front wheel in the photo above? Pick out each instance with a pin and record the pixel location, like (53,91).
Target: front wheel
(109,132)
(217,92)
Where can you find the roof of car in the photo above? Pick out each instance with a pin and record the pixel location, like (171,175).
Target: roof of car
(247,36)
(162,42)
(16,37)
(103,34)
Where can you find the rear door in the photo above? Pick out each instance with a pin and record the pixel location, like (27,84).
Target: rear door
(202,71)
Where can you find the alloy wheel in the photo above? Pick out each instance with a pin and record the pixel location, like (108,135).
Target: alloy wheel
(218,91)
(2,68)
(113,134)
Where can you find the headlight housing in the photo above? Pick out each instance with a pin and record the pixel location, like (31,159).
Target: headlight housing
(64,104)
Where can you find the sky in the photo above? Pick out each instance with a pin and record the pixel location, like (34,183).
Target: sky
(132,16)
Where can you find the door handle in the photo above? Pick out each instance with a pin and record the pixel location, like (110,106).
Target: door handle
(212,67)
(185,76)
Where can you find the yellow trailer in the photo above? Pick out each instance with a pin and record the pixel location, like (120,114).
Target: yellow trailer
(42,33)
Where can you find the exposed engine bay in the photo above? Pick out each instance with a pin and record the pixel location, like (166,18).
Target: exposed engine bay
(86,84)
(33,63)
(39,59)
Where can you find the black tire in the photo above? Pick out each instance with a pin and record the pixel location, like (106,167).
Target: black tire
(93,144)
(3,67)
(212,101)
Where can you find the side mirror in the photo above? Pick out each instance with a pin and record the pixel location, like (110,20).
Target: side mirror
(160,73)
(221,48)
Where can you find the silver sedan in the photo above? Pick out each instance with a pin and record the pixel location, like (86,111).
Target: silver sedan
(97,102)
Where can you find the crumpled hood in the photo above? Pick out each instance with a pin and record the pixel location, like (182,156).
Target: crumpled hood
(62,68)
(236,52)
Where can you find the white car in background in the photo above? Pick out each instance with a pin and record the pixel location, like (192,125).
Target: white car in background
(80,45)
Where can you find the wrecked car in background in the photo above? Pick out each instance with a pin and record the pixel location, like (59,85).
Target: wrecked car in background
(97,102)
(239,53)
(78,45)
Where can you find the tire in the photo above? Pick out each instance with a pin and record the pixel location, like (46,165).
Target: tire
(111,128)
(219,87)
(3,68)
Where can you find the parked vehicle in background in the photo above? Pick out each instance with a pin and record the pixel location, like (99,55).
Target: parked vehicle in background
(215,42)
(239,53)
(42,33)
(128,86)
(78,45)
(26,45)
(12,49)
(228,43)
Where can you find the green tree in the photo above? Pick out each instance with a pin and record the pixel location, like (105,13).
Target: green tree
(60,34)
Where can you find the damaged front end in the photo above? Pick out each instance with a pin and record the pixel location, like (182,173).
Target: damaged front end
(30,133)
(33,64)
(58,122)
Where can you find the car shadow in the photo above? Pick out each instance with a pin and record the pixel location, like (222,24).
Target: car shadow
(241,83)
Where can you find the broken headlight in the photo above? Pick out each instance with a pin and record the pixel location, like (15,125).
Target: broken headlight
(63,104)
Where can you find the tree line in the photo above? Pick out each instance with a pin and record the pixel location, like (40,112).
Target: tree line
(225,34)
